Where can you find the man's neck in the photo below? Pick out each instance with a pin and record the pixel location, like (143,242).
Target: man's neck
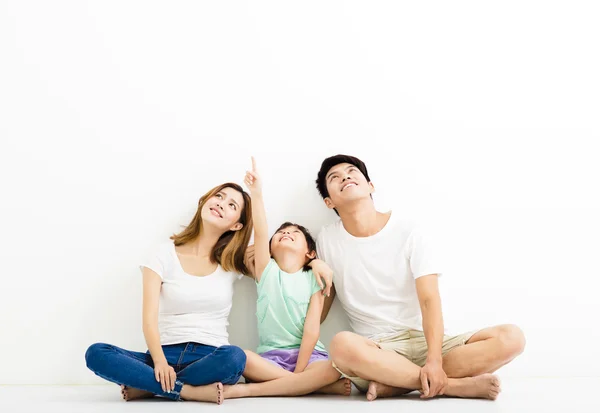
(362,219)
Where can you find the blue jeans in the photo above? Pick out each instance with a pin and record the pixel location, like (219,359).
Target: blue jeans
(195,364)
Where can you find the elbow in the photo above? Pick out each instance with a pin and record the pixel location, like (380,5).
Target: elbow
(312,333)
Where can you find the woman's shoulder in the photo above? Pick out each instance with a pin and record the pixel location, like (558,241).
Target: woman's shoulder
(159,258)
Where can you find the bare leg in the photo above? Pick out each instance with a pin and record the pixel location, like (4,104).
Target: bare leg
(212,393)
(258,369)
(485,352)
(129,393)
(358,357)
(316,376)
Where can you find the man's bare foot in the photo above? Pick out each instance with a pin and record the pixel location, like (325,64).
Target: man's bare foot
(130,393)
(383,390)
(485,386)
(212,393)
(341,387)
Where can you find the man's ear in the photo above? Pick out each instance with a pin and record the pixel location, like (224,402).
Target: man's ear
(237,227)
(329,203)
(311,254)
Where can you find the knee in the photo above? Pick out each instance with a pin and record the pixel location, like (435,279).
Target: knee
(512,339)
(235,356)
(94,353)
(343,349)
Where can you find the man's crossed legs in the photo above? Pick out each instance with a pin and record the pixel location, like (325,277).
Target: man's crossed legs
(392,367)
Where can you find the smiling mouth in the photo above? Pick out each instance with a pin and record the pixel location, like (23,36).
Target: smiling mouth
(348,185)
(286,237)
(216,213)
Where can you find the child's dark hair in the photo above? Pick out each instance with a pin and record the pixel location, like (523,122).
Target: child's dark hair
(310,241)
(330,163)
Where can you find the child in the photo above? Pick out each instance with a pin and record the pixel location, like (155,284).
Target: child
(291,360)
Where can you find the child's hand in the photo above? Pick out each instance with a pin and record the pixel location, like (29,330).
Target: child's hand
(253,181)
(324,275)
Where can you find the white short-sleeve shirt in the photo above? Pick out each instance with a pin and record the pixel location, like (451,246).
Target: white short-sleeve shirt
(375,276)
(191,308)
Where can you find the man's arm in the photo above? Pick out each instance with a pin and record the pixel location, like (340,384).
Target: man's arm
(327,304)
(433,377)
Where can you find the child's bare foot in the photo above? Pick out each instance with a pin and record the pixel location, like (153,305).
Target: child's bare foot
(383,390)
(341,387)
(130,393)
(485,386)
(236,391)
(212,393)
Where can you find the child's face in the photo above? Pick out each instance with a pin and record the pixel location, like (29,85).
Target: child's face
(289,240)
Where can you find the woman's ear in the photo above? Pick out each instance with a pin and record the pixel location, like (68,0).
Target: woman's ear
(311,254)
(237,227)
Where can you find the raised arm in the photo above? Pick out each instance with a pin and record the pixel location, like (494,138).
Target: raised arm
(163,373)
(259,216)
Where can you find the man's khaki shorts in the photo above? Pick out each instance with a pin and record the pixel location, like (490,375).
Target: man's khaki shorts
(412,345)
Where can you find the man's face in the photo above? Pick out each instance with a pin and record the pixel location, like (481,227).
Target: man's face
(346,184)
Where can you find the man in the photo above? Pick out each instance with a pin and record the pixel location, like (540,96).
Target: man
(386,278)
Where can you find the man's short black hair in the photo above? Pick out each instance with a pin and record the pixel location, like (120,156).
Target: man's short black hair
(310,241)
(333,161)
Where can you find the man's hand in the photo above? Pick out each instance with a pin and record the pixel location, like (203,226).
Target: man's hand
(433,379)
(324,274)
(249,260)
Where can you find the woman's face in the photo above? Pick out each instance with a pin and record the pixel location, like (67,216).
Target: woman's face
(223,210)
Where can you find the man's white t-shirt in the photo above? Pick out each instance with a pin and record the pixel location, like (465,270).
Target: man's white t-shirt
(375,276)
(191,308)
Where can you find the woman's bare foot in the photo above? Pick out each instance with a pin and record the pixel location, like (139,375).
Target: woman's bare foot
(130,393)
(383,390)
(341,387)
(485,386)
(212,393)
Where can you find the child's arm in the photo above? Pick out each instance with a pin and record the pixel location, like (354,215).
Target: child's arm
(259,216)
(312,329)
(323,274)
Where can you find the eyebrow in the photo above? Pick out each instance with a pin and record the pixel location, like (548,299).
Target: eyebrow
(331,173)
(231,199)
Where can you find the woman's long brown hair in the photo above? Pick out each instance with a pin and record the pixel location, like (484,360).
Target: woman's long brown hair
(230,248)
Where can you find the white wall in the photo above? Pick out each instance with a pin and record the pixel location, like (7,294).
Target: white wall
(478,118)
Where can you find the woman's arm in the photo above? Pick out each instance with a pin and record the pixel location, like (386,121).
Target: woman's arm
(164,373)
(262,255)
(312,330)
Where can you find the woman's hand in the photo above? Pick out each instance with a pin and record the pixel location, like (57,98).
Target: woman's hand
(249,261)
(165,375)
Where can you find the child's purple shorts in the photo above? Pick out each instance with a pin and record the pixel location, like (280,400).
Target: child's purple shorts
(287,359)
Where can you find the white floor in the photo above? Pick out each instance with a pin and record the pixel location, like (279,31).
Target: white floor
(518,395)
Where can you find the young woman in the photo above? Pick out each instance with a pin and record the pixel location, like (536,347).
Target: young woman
(188,291)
